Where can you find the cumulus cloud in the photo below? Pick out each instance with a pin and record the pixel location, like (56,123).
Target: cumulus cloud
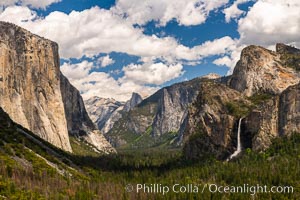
(269,22)
(185,12)
(233,12)
(216,47)
(95,30)
(90,32)
(31,3)
(231,58)
(18,14)
(105,61)
(78,70)
(153,73)
(102,84)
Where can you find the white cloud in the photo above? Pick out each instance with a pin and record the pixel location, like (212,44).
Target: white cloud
(269,22)
(31,3)
(152,73)
(17,14)
(216,47)
(233,12)
(91,32)
(77,71)
(226,60)
(266,23)
(102,84)
(185,12)
(94,31)
(105,61)
(135,77)
(230,59)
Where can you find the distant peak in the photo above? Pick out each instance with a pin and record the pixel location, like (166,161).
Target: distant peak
(135,95)
(254,48)
(286,49)
(133,101)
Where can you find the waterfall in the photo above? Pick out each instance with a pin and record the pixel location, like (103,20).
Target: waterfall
(239,145)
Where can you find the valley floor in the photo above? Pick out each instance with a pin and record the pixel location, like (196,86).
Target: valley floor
(23,175)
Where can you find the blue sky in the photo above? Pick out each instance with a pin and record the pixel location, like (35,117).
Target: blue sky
(113,48)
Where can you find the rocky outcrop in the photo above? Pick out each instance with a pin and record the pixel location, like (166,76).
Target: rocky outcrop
(100,109)
(279,116)
(106,111)
(289,111)
(163,113)
(30,84)
(172,106)
(34,92)
(262,71)
(132,102)
(78,121)
(261,125)
(212,121)
(289,56)
(266,96)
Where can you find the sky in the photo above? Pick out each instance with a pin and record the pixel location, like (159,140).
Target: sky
(111,48)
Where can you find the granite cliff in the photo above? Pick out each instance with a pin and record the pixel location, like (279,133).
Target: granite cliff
(104,112)
(35,94)
(260,70)
(30,84)
(158,120)
(263,90)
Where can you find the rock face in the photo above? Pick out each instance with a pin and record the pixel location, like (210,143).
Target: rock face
(105,112)
(261,125)
(162,114)
(260,70)
(132,102)
(266,95)
(100,109)
(172,106)
(276,117)
(35,94)
(289,115)
(78,121)
(212,122)
(30,84)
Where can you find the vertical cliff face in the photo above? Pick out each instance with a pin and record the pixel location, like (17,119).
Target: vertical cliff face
(172,106)
(161,117)
(289,115)
(105,112)
(279,116)
(266,95)
(37,96)
(263,71)
(261,125)
(260,70)
(100,110)
(30,84)
(132,102)
(78,121)
(212,121)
